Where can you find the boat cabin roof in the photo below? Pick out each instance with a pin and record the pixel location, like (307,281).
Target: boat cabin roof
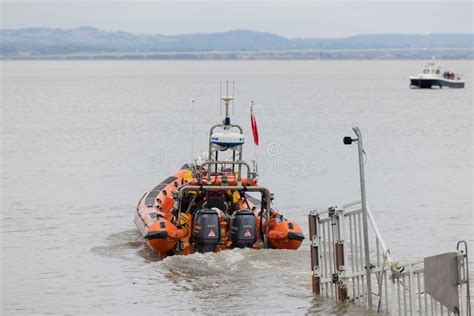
(431,68)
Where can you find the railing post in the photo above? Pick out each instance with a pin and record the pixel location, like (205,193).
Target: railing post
(463,275)
(364,215)
(411,280)
(339,254)
(313,221)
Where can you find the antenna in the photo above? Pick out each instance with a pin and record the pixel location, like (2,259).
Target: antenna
(220,97)
(227,99)
(192,129)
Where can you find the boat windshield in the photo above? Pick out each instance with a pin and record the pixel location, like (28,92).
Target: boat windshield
(426,71)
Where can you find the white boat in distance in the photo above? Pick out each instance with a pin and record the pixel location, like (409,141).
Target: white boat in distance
(434,76)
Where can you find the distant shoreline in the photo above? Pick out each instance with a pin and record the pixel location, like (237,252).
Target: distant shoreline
(321,54)
(92,43)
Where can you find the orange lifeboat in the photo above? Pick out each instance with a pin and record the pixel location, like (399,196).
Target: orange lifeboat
(210,205)
(238,220)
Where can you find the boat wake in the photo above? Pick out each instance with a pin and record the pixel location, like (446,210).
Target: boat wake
(221,281)
(126,245)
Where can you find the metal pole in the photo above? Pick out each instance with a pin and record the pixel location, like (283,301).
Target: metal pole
(364,215)
(267,199)
(468,293)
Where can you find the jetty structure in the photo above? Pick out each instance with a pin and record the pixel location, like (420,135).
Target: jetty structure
(351,262)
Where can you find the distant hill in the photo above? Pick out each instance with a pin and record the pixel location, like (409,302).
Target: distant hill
(381,41)
(90,40)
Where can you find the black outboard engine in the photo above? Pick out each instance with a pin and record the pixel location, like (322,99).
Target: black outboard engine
(243,229)
(206,230)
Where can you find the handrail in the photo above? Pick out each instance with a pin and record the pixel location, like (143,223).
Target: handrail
(265,206)
(386,251)
(391,262)
(211,163)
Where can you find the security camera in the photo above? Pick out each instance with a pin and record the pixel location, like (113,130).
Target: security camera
(348,140)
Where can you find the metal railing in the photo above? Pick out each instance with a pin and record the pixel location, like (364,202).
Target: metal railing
(338,259)
(265,205)
(222,164)
(346,268)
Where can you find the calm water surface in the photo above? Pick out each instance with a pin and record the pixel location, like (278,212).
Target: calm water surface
(82,141)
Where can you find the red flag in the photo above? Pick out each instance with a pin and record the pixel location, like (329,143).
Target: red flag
(253,122)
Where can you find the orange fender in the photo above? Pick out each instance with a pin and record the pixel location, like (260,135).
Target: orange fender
(286,235)
(163,235)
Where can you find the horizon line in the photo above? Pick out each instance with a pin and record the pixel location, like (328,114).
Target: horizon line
(228,31)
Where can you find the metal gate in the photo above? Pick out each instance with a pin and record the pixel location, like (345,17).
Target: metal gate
(351,262)
(338,259)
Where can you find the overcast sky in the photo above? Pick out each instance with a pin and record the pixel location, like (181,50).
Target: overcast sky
(322,18)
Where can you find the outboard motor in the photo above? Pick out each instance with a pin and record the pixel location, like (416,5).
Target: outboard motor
(206,230)
(243,229)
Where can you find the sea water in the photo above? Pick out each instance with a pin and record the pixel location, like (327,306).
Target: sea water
(83,140)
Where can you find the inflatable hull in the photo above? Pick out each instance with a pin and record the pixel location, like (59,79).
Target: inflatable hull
(156,218)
